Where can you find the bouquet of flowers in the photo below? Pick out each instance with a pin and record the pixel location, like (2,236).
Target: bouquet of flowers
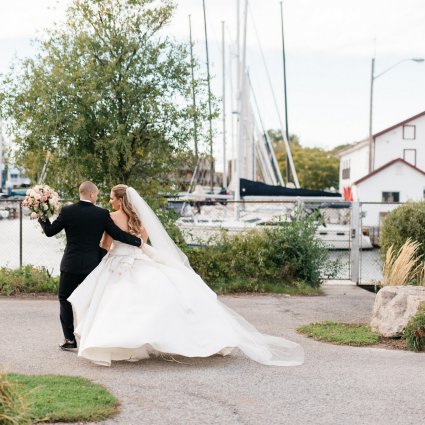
(42,201)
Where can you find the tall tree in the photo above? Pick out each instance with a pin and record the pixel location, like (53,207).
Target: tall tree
(316,168)
(106,98)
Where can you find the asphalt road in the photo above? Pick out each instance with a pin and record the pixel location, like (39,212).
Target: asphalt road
(337,385)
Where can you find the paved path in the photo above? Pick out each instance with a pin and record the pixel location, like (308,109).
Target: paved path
(337,385)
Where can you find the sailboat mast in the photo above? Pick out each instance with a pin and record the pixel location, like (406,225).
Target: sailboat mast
(288,169)
(241,110)
(209,101)
(224,107)
(195,127)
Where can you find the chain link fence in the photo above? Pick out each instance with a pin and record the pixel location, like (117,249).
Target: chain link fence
(200,221)
(372,215)
(22,241)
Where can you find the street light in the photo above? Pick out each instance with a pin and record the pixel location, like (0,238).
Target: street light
(372,79)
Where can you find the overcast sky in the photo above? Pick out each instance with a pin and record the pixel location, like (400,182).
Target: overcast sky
(329,45)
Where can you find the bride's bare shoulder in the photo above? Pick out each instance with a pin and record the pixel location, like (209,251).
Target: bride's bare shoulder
(119,218)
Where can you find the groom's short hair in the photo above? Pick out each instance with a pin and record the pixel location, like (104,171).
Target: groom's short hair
(87,187)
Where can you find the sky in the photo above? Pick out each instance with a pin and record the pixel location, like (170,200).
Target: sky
(329,46)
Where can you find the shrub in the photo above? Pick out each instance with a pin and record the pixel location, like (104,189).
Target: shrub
(13,406)
(407,221)
(415,331)
(288,253)
(28,279)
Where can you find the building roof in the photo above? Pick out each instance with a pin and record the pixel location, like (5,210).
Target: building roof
(388,164)
(399,124)
(363,143)
(353,147)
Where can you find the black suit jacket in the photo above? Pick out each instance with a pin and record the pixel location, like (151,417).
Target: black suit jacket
(84,224)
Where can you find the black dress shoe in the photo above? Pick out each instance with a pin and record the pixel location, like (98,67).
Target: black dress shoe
(68,345)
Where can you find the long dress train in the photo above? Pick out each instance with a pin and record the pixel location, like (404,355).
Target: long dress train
(134,305)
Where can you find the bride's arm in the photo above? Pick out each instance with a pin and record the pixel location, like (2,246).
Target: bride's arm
(106,241)
(144,236)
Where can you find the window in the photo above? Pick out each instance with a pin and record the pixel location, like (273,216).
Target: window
(409,155)
(390,196)
(409,132)
(346,169)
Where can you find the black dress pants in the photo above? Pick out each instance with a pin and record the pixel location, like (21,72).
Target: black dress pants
(68,282)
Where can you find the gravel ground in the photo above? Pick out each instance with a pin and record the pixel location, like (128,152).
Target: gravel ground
(337,385)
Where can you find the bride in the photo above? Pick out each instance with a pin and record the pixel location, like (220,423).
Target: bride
(148,301)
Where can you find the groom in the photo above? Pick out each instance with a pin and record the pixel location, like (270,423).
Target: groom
(84,224)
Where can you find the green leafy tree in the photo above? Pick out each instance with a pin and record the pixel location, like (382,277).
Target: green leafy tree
(316,168)
(106,98)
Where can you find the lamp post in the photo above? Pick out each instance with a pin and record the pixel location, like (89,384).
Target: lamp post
(373,77)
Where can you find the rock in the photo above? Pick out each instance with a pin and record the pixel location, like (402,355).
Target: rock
(393,308)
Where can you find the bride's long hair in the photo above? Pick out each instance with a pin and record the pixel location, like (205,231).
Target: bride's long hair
(135,226)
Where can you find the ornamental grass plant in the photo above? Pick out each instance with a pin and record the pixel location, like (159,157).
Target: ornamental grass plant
(402,267)
(13,405)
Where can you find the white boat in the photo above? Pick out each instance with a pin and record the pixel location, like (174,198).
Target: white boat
(203,228)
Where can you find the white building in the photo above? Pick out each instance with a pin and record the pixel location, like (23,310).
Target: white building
(398,168)
(396,181)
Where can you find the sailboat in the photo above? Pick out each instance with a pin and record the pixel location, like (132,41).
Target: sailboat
(256,195)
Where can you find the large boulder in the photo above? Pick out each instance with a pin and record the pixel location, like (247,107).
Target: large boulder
(393,308)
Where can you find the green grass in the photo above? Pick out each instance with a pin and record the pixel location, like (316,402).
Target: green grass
(341,333)
(53,398)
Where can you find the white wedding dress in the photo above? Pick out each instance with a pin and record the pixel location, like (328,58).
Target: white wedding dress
(139,303)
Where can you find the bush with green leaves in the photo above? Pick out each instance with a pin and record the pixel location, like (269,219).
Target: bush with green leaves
(406,221)
(415,331)
(289,253)
(28,279)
